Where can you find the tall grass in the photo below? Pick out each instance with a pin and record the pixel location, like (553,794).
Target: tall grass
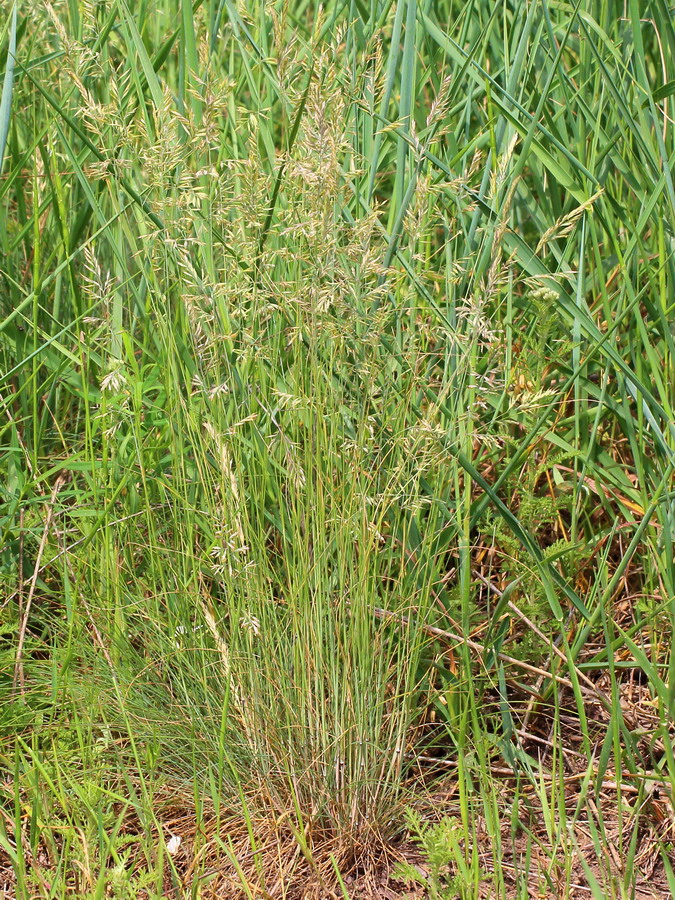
(337,442)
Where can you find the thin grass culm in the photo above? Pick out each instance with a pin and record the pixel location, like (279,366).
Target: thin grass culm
(336,449)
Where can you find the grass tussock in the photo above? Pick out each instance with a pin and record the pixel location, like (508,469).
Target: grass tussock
(337,447)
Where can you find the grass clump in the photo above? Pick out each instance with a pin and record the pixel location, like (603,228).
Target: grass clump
(337,447)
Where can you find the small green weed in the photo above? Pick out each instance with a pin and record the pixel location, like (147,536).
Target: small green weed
(448,869)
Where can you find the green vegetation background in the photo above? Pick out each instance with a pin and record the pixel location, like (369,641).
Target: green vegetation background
(336,445)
